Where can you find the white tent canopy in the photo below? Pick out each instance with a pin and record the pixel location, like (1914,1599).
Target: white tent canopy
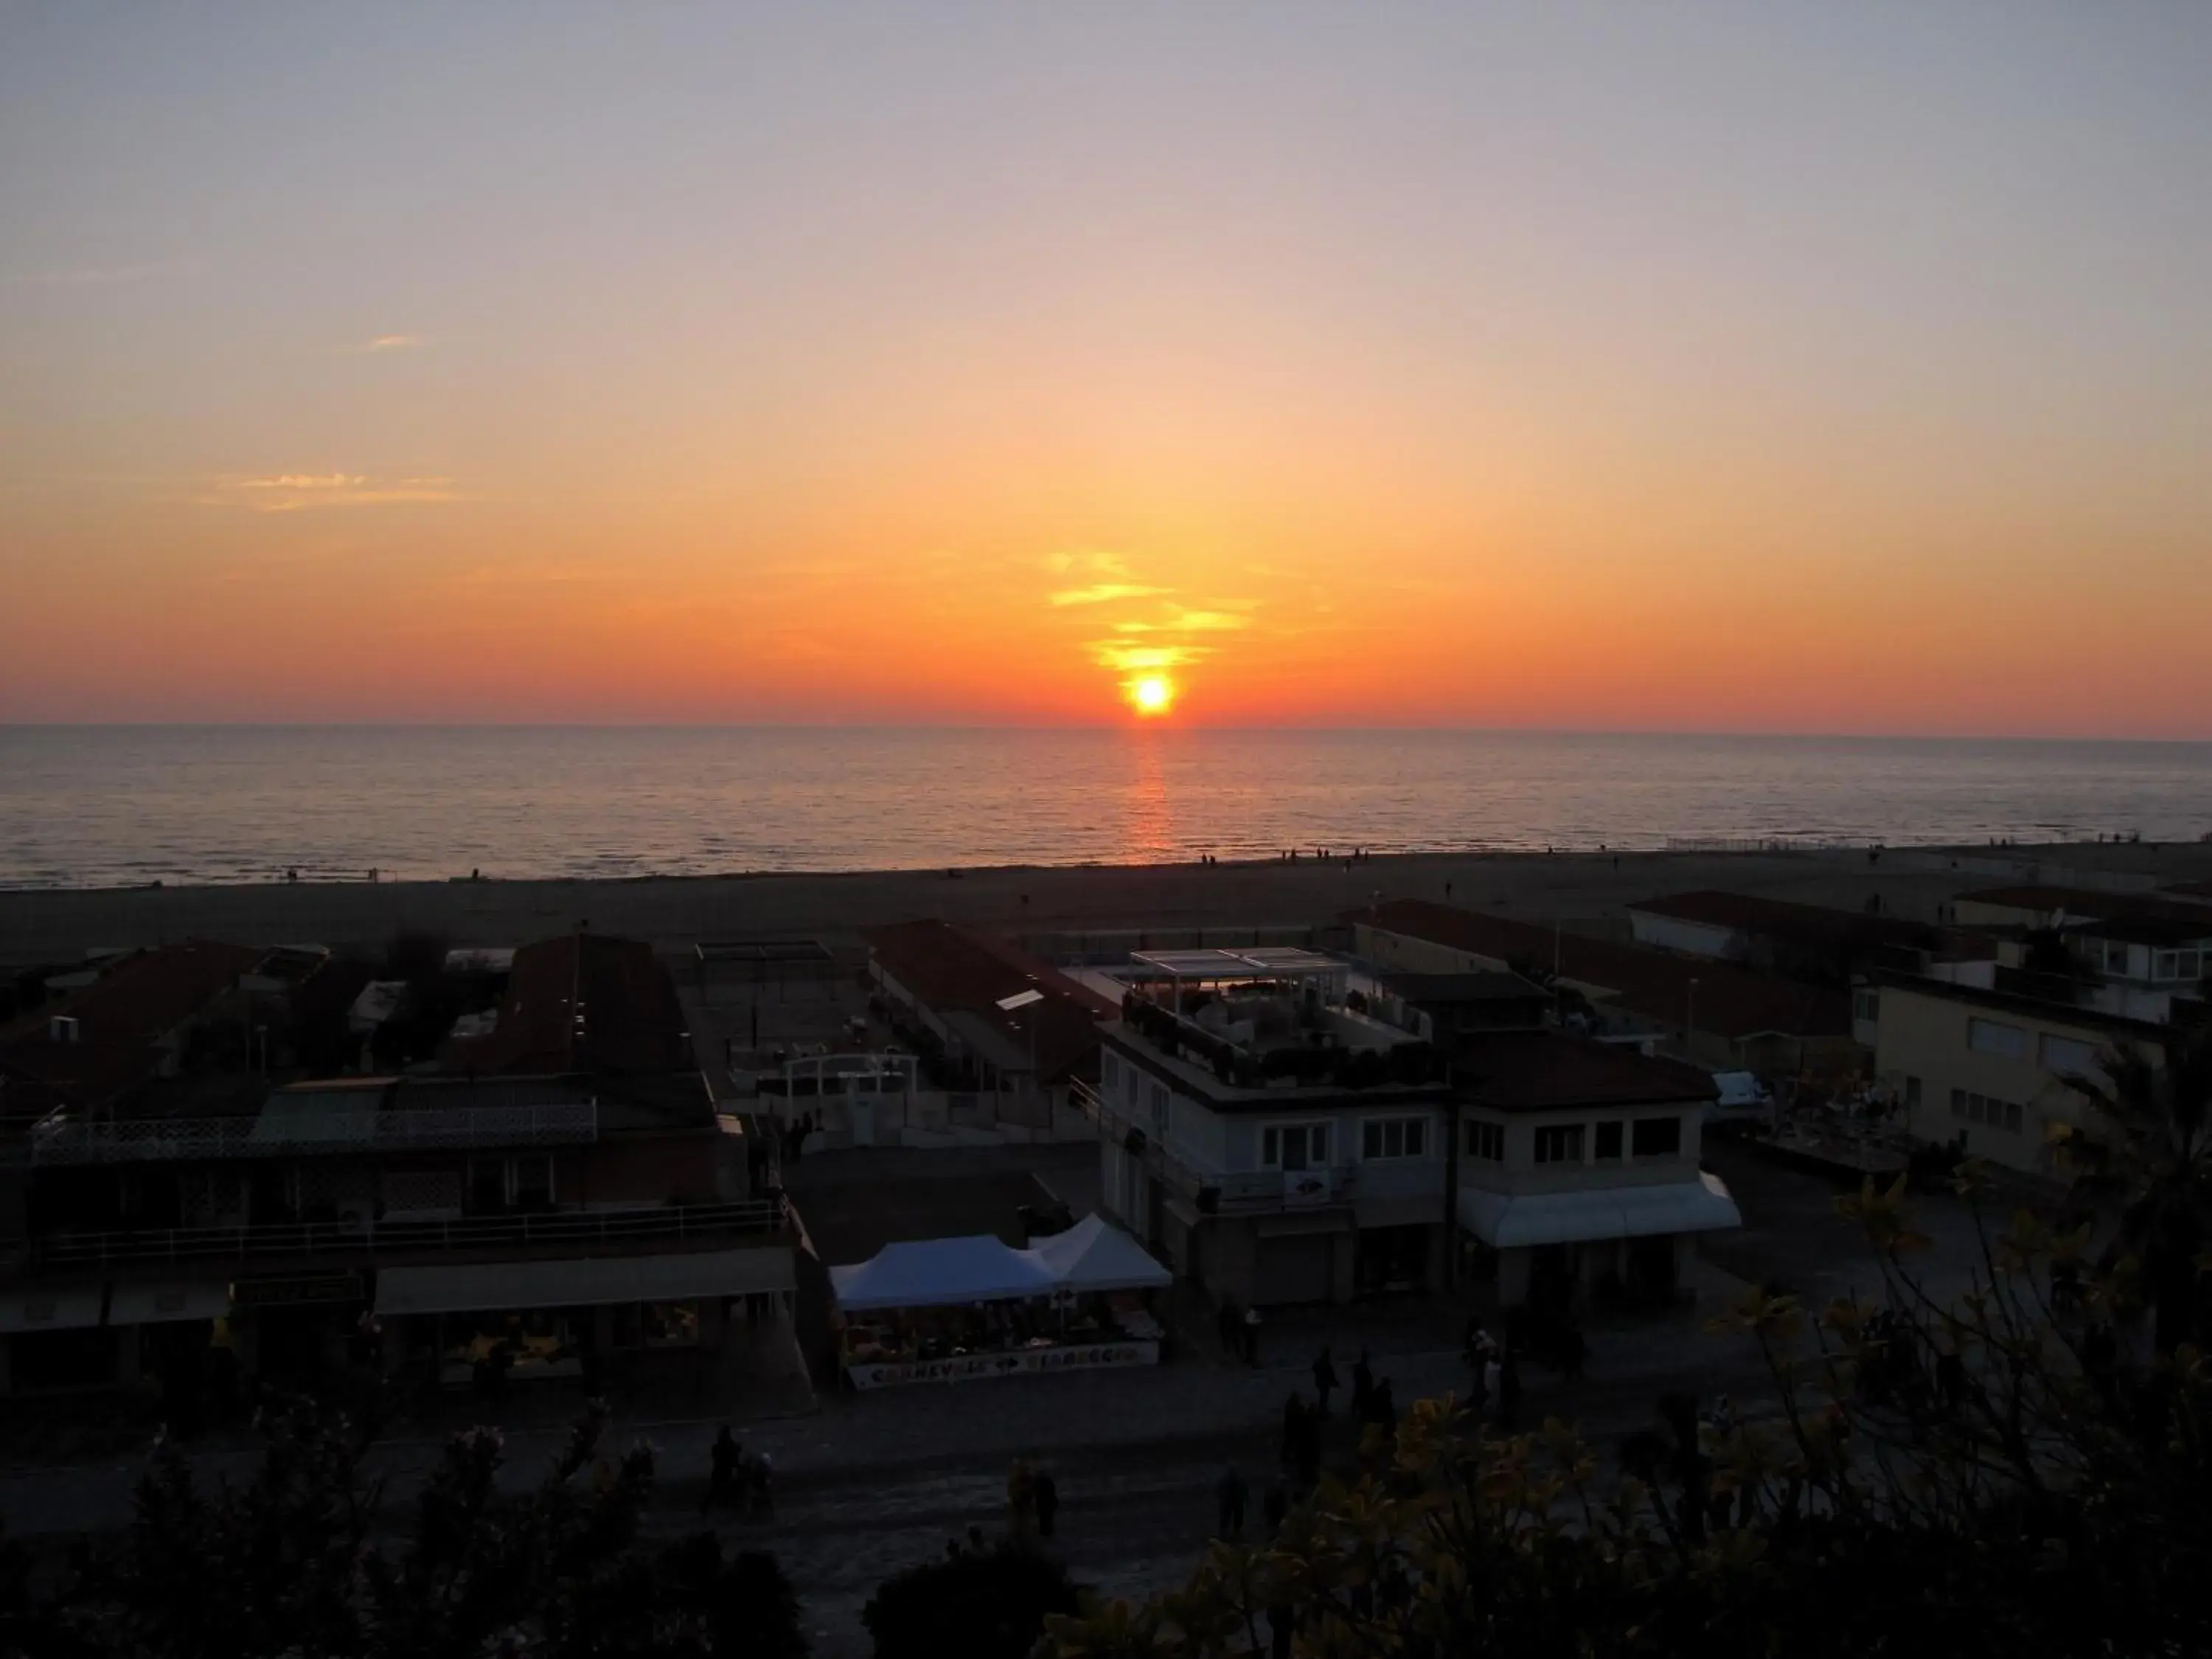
(936,1273)
(1095,1255)
(1702,1206)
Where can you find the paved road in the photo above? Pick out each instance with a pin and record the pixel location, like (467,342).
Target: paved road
(873,1483)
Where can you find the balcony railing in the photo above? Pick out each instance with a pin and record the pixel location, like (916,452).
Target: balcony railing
(64,1140)
(575,1229)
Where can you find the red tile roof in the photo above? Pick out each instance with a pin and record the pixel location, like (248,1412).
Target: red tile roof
(121,1017)
(583,1002)
(1545,1071)
(947,967)
(1731,1001)
(1813,924)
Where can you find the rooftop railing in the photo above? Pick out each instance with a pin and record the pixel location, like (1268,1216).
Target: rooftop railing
(580,1230)
(64,1140)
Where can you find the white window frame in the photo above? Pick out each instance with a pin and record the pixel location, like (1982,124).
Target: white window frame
(1580,1135)
(1271,1137)
(1994,1037)
(1481,1135)
(1407,1127)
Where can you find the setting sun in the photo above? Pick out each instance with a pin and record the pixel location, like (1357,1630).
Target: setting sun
(1152,694)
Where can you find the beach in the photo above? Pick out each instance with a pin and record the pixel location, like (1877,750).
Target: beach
(1054,906)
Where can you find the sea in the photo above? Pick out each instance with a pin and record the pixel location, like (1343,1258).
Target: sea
(129,806)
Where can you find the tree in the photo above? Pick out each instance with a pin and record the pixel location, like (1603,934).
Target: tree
(2006,1474)
(975,1604)
(296,1560)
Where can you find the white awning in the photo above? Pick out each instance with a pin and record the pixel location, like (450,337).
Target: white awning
(168,1301)
(594,1282)
(1702,1206)
(50,1310)
(1095,1255)
(939,1272)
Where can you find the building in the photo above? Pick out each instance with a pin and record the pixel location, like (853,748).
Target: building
(594,1220)
(1284,1137)
(1810,942)
(1578,1173)
(1267,1136)
(1990,1071)
(2044,909)
(1712,1013)
(989,1022)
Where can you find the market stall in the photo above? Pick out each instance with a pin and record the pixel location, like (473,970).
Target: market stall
(956,1310)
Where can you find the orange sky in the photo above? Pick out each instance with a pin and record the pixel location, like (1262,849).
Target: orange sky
(1681,376)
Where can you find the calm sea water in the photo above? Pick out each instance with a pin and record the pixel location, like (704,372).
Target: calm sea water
(97,806)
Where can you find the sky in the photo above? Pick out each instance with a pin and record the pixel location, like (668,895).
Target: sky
(1762,368)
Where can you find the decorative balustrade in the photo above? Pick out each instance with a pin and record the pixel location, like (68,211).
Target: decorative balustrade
(64,1140)
(571,1229)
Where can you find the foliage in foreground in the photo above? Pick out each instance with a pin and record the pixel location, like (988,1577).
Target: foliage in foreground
(295,1561)
(989,1603)
(2026,1472)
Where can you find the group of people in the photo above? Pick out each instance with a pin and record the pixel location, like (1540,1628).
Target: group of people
(736,1482)
(1231,1496)
(792,1136)
(1494,1376)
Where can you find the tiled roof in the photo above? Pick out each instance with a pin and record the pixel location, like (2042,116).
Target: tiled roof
(120,1017)
(1545,1070)
(583,1002)
(1820,924)
(950,968)
(1731,1001)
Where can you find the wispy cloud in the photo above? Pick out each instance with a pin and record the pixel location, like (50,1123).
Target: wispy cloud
(383,343)
(1106,592)
(1124,659)
(295,492)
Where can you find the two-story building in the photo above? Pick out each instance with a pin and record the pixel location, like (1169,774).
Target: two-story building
(1988,1071)
(1283,1137)
(592,1219)
(1578,1170)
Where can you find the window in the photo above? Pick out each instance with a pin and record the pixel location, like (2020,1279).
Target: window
(1989,1037)
(1486,1142)
(2191,961)
(1562,1143)
(2168,965)
(672,1324)
(1911,1094)
(487,1183)
(2068,1055)
(1866,1006)
(1972,1108)
(1295,1146)
(1395,1137)
(532,1179)
(1109,1074)
(1159,1111)
(1657,1137)
(1608,1139)
(2115,960)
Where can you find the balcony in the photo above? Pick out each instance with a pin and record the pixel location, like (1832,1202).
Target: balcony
(64,1140)
(559,1230)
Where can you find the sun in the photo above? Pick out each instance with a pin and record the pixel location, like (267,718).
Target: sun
(1152,694)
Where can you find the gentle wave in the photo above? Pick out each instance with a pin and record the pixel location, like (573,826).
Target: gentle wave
(106,806)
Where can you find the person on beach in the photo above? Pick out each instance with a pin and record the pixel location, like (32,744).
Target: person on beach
(723,1461)
(1363,1386)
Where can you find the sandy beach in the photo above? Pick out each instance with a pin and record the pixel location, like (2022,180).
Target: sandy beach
(1580,888)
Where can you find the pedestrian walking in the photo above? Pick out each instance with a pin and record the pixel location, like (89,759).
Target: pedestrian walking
(1384,1412)
(1228,1495)
(1252,1337)
(1363,1386)
(1493,1379)
(1044,1497)
(722,1458)
(1324,1376)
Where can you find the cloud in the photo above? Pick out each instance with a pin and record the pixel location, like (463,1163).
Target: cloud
(294,492)
(1209,622)
(1145,658)
(1105,592)
(382,343)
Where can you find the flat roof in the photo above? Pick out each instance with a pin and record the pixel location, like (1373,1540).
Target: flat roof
(1258,962)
